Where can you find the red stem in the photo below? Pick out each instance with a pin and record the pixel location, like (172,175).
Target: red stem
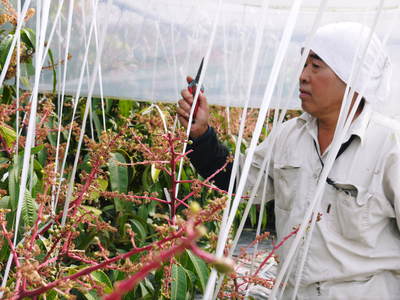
(173,177)
(124,196)
(36,226)
(276,247)
(90,269)
(14,253)
(125,286)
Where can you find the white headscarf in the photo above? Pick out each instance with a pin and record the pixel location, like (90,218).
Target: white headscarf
(337,44)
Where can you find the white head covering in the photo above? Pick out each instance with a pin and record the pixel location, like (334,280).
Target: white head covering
(337,44)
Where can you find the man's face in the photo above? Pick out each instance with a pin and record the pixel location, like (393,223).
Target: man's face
(321,90)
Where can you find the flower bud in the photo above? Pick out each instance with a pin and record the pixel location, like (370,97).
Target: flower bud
(195,207)
(224,265)
(201,230)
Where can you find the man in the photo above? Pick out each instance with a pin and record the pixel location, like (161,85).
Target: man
(355,248)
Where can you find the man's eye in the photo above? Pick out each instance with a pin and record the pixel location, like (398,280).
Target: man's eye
(315,65)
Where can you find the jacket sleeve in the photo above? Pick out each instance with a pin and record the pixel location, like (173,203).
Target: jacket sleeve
(208,155)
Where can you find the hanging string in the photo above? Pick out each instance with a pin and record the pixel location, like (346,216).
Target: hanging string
(54,199)
(89,98)
(18,35)
(14,41)
(346,126)
(76,100)
(200,83)
(87,64)
(103,111)
(283,46)
(265,164)
(255,57)
(338,137)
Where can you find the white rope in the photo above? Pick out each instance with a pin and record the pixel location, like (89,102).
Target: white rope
(347,125)
(60,112)
(18,35)
(254,63)
(89,98)
(283,46)
(32,117)
(352,113)
(103,113)
(87,64)
(258,231)
(53,29)
(14,41)
(174,58)
(339,135)
(49,40)
(76,100)
(201,80)
(277,124)
(189,47)
(157,38)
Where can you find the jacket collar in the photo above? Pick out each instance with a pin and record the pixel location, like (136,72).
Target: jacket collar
(358,127)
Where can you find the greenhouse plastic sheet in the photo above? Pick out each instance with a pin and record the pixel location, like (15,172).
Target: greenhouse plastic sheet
(151,46)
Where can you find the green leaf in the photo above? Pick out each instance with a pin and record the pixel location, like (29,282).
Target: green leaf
(102,185)
(191,280)
(179,283)
(143,289)
(13,184)
(200,269)
(8,94)
(8,134)
(143,212)
(253,216)
(84,208)
(102,277)
(5,46)
(28,69)
(25,81)
(4,202)
(158,279)
(28,36)
(98,125)
(146,178)
(118,178)
(29,209)
(53,67)
(125,107)
(264,218)
(185,176)
(155,173)
(52,295)
(92,295)
(139,228)
(34,150)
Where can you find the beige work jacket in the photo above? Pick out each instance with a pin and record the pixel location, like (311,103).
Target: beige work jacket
(355,248)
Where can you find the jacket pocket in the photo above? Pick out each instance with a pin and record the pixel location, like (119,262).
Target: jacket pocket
(286,184)
(352,211)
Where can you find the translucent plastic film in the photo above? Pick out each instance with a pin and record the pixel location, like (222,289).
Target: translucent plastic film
(151,46)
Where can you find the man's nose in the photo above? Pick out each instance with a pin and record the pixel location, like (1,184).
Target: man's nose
(304,76)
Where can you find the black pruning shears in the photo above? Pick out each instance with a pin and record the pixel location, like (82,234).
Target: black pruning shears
(193,86)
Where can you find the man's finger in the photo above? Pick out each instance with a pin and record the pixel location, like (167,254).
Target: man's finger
(203,101)
(183,113)
(185,105)
(183,121)
(187,96)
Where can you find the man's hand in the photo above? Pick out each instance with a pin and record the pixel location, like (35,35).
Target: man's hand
(200,126)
